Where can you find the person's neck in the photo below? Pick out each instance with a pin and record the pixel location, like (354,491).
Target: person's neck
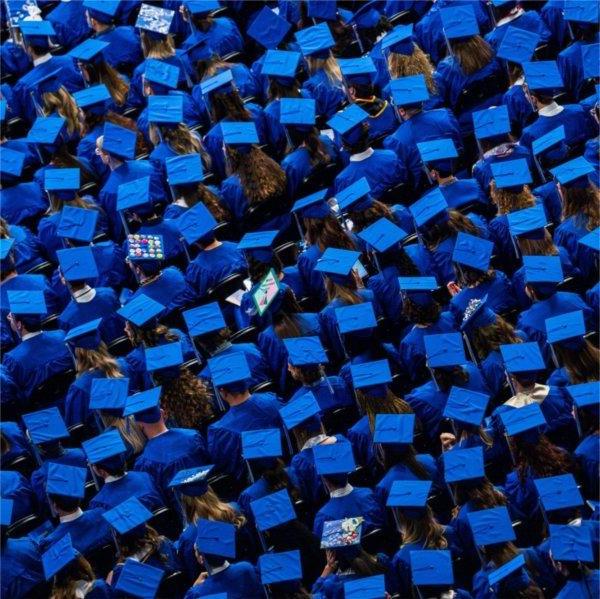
(211,246)
(114,164)
(101,27)
(237,399)
(8,277)
(41,58)
(153,430)
(446,180)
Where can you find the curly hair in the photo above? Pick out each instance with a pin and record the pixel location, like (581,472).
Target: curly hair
(417,63)
(421,315)
(543,458)
(88,360)
(327,233)
(192,194)
(210,507)
(583,205)
(180,139)
(472,54)
(456,222)
(507,200)
(61,102)
(489,338)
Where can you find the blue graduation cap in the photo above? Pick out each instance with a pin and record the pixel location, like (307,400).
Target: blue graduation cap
(192,482)
(491,526)
(366,16)
(3,108)
(297,111)
(585,395)
(503,572)
(215,538)
(463,464)
(410,495)
(591,240)
(491,122)
(471,251)
(542,269)
(383,235)
(438,152)
(281,65)
(107,445)
(204,319)
(371,377)
(313,205)
(96,95)
(407,91)
(145,406)
(133,194)
(522,357)
(399,40)
(229,370)
(339,534)
(45,130)
(347,122)
(45,425)
(165,110)
(6,245)
(280,567)
(261,443)
(355,317)
(477,315)
(445,349)
(77,223)
(544,142)
(511,173)
(528,222)
(85,336)
(36,32)
(523,420)
(359,70)
(336,458)
(140,310)
(272,510)
(58,556)
(571,543)
(61,180)
(418,289)
(432,207)
(185,169)
(109,394)
(12,162)
(431,567)
(224,79)
(155,20)
(573,173)
(268,28)
(259,245)
(356,197)
(196,223)
(543,76)
(322,9)
(6,511)
(299,410)
(27,302)
(77,264)
(581,11)
(459,21)
(119,141)
(518,45)
(337,264)
(239,133)
(163,356)
(568,326)
(558,492)
(88,50)
(305,351)
(65,480)
(102,10)
(369,587)
(162,73)
(466,406)
(201,7)
(315,41)
(394,429)
(138,579)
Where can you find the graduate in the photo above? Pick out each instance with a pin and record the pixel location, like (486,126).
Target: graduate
(18,489)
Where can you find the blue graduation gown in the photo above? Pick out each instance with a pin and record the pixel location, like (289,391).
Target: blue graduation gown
(567,235)
(464,191)
(327,95)
(482,170)
(22,202)
(13,59)
(22,567)
(125,51)
(551,200)
(18,444)
(570,66)
(237,581)
(16,487)
(519,107)
(553,14)
(587,453)
(529,21)
(311,278)
(260,410)
(70,23)
(331,393)
(87,149)
(223,37)
(27,249)
(591,154)
(132,484)
(588,587)
(361,438)
(275,130)
(9,400)
(592,298)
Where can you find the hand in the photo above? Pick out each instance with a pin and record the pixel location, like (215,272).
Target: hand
(203,576)
(453,288)
(448,440)
(331,565)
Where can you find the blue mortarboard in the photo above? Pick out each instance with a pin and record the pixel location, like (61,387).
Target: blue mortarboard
(273,510)
(575,172)
(322,9)
(229,369)
(337,264)
(418,289)
(518,45)
(522,420)
(45,130)
(431,567)
(347,122)
(196,223)
(338,534)
(445,349)
(437,150)
(184,170)
(105,446)
(224,79)
(581,11)
(280,567)
(259,245)
(466,406)
(164,74)
(91,96)
(163,356)
(305,351)
(155,19)
(281,64)
(27,302)
(165,109)
(192,482)
(6,511)
(543,76)
(36,29)
(77,223)
(585,395)
(355,317)
(399,40)
(406,91)
(568,326)
(299,410)
(463,464)
(528,222)
(429,207)
(145,406)
(591,240)
(372,377)
(140,310)
(491,122)
(570,543)
(109,394)
(505,570)
(77,264)
(12,162)
(58,555)
(85,336)
(133,193)
(491,526)
(369,587)
(268,28)
(313,205)
(65,480)
(297,111)
(544,142)
(459,21)
(49,83)
(410,494)
(45,425)
(558,492)
(359,70)
(3,108)
(204,319)
(367,15)
(201,7)
(6,245)
(522,357)
(261,443)
(471,251)
(477,315)
(315,41)
(119,141)
(88,50)
(543,269)
(394,429)
(336,458)
(102,9)
(138,579)
(511,173)
(239,133)
(215,538)
(356,197)
(383,235)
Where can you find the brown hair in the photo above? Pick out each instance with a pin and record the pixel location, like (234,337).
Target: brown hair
(180,138)
(150,337)
(202,193)
(149,543)
(489,338)
(348,294)
(363,218)
(88,360)
(63,104)
(470,277)
(162,47)
(228,105)
(537,247)
(390,404)
(424,530)
(472,54)
(581,365)
(583,204)
(4,232)
(65,581)
(327,232)
(210,507)
(421,315)
(277,479)
(417,63)
(508,201)
(456,222)
(483,495)
(311,142)
(102,72)
(447,377)
(542,457)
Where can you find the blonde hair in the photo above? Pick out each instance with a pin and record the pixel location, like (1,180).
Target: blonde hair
(63,104)
(180,138)
(210,507)
(129,429)
(417,63)
(88,360)
(157,48)
(56,204)
(472,54)
(328,65)
(508,201)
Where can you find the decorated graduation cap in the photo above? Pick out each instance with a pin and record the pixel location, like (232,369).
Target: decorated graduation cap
(491,526)
(313,205)
(77,264)
(571,543)
(85,336)
(45,426)
(261,443)
(204,319)
(196,224)
(239,134)
(463,465)
(77,223)
(11,164)
(109,395)
(337,264)
(138,579)
(65,480)
(145,406)
(528,223)
(399,40)
(268,28)
(558,492)
(165,110)
(281,65)
(280,567)
(431,209)
(129,517)
(518,45)
(477,315)
(155,20)
(192,482)
(46,130)
(336,458)
(259,245)
(6,511)
(567,329)
(185,169)
(511,174)
(526,422)
(473,252)
(119,141)
(58,556)
(106,450)
(418,289)
(215,538)
(383,236)
(342,534)
(90,50)
(431,568)
(93,99)
(356,197)
(37,33)
(272,510)
(522,358)
(347,123)
(355,317)
(221,81)
(459,21)
(438,153)
(230,372)
(102,10)
(303,409)
(299,113)
(574,173)
(394,429)
(543,76)
(372,378)
(368,587)
(491,122)
(315,41)
(581,11)
(466,406)
(409,496)
(360,70)
(409,91)
(305,351)
(444,350)
(141,310)
(165,359)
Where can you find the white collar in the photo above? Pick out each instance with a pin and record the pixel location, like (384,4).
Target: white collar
(42,59)
(511,17)
(535,395)
(180,202)
(82,586)
(112,479)
(71,517)
(551,110)
(219,568)
(362,155)
(30,335)
(520,80)
(342,492)
(85,295)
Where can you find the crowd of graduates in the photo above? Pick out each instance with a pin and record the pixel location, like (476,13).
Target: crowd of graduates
(299,298)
